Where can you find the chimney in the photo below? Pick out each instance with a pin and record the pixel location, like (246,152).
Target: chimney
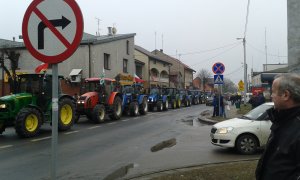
(110,31)
(14,39)
(161,50)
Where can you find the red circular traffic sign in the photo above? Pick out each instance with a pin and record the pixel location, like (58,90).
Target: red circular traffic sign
(218,68)
(52,30)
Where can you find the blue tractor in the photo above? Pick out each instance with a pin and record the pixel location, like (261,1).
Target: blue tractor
(134,101)
(157,99)
(186,99)
(196,96)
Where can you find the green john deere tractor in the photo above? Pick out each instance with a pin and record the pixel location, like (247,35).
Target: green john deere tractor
(31,106)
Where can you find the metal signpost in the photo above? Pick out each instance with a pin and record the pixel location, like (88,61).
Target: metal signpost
(219,68)
(52,31)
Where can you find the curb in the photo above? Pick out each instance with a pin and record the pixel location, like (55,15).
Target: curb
(150,175)
(203,119)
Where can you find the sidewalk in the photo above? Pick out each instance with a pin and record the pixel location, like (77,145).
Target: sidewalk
(206,116)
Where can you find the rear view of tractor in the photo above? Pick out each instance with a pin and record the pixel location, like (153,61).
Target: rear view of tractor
(185,97)
(99,97)
(31,106)
(134,101)
(157,99)
(173,97)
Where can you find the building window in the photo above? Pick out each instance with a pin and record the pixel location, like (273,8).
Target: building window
(127,47)
(125,65)
(139,70)
(106,61)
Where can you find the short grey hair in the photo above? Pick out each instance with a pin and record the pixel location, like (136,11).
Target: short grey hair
(291,83)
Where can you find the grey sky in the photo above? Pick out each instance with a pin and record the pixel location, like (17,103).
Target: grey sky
(188,26)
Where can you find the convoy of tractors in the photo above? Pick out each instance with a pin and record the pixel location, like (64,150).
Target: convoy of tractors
(31,105)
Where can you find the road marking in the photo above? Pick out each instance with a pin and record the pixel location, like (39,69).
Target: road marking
(6,146)
(94,127)
(111,123)
(72,132)
(40,139)
(125,120)
(136,118)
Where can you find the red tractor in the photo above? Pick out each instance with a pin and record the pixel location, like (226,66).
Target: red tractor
(99,97)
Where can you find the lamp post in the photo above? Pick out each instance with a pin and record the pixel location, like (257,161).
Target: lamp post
(245,68)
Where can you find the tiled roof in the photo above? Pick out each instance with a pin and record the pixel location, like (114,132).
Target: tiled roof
(86,38)
(170,59)
(10,44)
(148,53)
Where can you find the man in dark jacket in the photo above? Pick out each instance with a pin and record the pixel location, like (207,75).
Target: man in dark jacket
(281,158)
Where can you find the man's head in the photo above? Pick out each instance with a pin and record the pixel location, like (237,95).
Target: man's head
(286,91)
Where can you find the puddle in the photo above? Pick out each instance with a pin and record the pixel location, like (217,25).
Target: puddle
(165,144)
(187,121)
(121,172)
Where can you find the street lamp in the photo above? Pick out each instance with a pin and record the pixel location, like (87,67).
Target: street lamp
(245,68)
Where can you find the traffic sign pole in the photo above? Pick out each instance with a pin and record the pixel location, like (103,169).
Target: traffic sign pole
(54,120)
(67,30)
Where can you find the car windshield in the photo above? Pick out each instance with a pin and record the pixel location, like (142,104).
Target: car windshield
(257,112)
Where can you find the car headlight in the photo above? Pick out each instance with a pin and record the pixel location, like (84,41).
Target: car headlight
(2,106)
(224,130)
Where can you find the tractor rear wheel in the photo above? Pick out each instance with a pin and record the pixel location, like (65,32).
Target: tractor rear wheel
(173,104)
(116,109)
(66,114)
(159,106)
(178,103)
(144,107)
(133,108)
(99,113)
(28,122)
(166,105)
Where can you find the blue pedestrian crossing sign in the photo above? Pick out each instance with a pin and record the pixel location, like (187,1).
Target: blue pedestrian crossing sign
(218,79)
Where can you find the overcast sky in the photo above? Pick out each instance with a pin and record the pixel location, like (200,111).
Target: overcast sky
(202,32)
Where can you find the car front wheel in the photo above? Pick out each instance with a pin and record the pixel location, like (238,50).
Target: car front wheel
(246,144)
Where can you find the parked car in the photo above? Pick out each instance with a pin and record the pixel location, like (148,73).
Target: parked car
(246,133)
(209,100)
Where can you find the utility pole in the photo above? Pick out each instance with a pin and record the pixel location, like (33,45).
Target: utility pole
(245,71)
(266,69)
(245,68)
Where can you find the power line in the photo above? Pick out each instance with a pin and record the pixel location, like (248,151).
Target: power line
(217,54)
(208,50)
(261,51)
(236,70)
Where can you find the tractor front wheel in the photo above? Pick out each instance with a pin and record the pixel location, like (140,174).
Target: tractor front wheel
(98,113)
(66,114)
(28,122)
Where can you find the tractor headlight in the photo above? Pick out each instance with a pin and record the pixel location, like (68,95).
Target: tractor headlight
(3,106)
(224,130)
(80,102)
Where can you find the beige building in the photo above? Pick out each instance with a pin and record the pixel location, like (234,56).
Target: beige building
(155,70)
(181,75)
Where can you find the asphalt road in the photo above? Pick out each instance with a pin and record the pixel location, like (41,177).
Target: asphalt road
(114,149)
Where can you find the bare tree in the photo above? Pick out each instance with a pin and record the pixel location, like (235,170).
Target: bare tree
(204,75)
(13,57)
(229,86)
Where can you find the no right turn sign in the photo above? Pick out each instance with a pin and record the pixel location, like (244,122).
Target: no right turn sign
(53,34)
